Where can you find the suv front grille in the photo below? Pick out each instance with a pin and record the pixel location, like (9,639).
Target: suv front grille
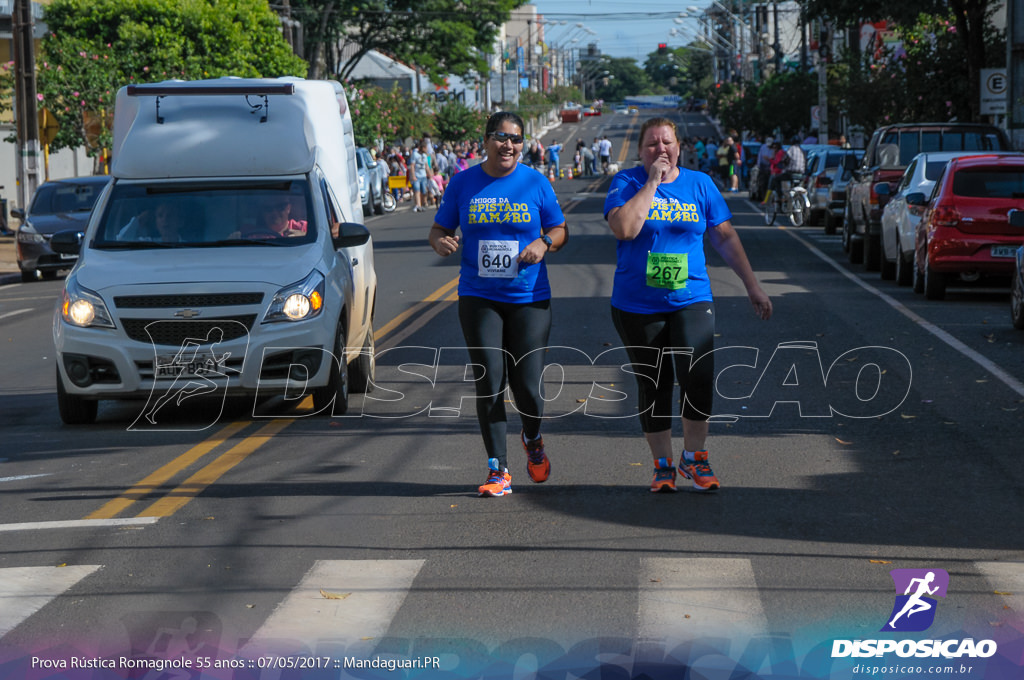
(175,333)
(189,300)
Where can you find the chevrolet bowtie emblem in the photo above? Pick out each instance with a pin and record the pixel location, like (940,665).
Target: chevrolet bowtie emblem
(188,313)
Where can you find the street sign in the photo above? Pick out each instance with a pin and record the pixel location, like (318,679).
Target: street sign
(994,86)
(48,127)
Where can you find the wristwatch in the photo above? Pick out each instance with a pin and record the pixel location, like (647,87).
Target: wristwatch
(547,240)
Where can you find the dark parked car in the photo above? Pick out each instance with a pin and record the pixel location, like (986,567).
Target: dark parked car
(58,205)
(888,154)
(1017,288)
(969,229)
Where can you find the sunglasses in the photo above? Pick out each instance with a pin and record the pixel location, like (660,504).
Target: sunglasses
(502,137)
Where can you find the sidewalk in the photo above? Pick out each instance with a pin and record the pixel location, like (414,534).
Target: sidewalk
(9,272)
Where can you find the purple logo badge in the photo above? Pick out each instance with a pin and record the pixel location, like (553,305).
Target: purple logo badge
(916,590)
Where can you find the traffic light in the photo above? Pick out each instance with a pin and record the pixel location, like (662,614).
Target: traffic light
(662,48)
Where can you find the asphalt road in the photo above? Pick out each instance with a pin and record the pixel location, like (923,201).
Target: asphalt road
(862,429)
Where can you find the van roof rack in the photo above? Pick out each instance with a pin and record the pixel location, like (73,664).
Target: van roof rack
(161,90)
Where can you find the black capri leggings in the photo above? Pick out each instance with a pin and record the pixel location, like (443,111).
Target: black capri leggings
(520,329)
(689,331)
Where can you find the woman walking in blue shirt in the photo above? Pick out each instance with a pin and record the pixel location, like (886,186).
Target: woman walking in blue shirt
(661,300)
(510,219)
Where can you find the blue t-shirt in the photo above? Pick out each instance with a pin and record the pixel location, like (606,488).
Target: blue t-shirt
(663,268)
(499,216)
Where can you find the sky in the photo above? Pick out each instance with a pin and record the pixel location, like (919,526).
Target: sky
(623,29)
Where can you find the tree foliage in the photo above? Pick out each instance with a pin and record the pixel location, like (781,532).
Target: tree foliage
(456,122)
(96,46)
(443,37)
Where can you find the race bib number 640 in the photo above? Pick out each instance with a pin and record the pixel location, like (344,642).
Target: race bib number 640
(667,270)
(498,259)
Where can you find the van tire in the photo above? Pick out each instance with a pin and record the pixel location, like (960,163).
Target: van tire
(74,410)
(336,390)
(378,206)
(363,370)
(934,282)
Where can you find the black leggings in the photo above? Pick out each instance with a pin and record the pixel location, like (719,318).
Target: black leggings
(689,331)
(520,329)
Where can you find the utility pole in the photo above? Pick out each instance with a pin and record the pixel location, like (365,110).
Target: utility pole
(777,46)
(26,109)
(824,54)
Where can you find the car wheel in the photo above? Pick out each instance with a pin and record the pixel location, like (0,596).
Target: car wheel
(363,370)
(1017,303)
(903,271)
(934,282)
(378,206)
(74,410)
(336,390)
(368,207)
(888,268)
(28,276)
(830,223)
(916,277)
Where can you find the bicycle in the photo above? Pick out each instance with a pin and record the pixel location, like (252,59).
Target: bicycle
(790,200)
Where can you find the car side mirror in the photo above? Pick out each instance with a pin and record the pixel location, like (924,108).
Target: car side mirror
(67,242)
(882,190)
(917,198)
(350,234)
(19,213)
(1016,218)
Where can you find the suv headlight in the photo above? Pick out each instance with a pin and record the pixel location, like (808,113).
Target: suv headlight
(299,301)
(82,307)
(27,234)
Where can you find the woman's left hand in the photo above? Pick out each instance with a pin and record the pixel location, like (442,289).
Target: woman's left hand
(534,252)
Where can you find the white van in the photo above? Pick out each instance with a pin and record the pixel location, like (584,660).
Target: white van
(226,256)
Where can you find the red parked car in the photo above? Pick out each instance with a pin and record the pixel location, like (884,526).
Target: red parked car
(965,232)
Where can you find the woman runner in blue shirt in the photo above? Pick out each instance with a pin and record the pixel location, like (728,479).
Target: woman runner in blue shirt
(661,299)
(510,219)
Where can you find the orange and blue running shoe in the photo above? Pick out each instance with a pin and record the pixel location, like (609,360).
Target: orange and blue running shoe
(537,464)
(699,471)
(499,482)
(664,476)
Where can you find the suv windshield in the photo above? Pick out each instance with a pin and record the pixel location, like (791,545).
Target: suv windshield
(208,215)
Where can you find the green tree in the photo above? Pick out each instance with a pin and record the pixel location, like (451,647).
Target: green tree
(456,122)
(96,46)
(380,116)
(440,36)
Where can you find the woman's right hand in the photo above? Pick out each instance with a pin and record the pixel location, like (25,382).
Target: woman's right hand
(443,243)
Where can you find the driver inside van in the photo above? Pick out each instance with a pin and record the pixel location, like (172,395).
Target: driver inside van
(276,211)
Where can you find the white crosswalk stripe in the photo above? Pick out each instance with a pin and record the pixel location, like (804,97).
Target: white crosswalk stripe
(24,590)
(685,598)
(343,601)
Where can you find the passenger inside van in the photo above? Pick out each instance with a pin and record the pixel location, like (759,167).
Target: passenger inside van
(163,223)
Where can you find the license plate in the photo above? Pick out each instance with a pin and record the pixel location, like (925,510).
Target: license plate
(1004,251)
(169,367)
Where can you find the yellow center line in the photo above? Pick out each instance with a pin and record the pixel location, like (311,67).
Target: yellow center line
(153,481)
(195,484)
(415,309)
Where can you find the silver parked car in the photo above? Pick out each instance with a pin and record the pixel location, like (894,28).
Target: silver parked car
(373,182)
(821,166)
(837,192)
(901,216)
